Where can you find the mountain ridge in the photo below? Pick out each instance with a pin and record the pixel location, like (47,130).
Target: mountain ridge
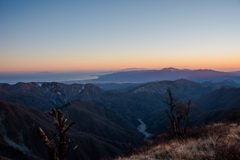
(138,101)
(143,76)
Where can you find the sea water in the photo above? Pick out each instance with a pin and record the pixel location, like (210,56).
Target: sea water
(67,77)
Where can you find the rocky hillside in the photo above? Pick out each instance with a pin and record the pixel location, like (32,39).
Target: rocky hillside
(45,96)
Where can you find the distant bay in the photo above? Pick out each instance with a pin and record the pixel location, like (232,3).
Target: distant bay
(65,77)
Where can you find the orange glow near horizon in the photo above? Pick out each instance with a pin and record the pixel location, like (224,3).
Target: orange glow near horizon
(98,65)
(107,61)
(86,36)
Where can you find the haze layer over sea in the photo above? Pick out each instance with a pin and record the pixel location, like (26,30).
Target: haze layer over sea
(65,77)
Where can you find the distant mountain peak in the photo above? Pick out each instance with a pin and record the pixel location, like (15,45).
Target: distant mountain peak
(206,70)
(132,69)
(170,69)
(183,80)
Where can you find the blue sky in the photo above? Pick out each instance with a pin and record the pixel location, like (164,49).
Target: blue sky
(107,35)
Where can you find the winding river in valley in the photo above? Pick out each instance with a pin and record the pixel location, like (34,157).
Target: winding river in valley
(142,128)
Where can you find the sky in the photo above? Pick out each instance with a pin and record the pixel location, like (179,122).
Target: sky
(57,35)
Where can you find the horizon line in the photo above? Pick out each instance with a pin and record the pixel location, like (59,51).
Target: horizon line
(112,70)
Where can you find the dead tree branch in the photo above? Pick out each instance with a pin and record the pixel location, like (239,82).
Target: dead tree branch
(178,114)
(60,151)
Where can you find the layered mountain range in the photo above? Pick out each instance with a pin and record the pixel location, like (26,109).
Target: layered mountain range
(45,96)
(143,76)
(106,120)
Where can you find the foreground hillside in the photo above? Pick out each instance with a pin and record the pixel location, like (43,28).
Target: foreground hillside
(213,142)
(98,132)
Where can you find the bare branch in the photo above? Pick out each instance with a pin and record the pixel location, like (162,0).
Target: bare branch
(62,128)
(178,113)
(49,144)
(67,128)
